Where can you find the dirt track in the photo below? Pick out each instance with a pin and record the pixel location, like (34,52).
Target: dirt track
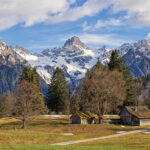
(101,138)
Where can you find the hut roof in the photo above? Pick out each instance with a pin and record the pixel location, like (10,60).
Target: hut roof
(86,115)
(141,112)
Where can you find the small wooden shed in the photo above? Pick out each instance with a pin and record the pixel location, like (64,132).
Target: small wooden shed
(135,115)
(83,118)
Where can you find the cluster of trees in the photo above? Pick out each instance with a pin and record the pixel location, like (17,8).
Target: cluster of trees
(133,88)
(102,92)
(26,100)
(105,89)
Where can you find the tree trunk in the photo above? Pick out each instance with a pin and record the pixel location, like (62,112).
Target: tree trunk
(24,123)
(69,119)
(100,119)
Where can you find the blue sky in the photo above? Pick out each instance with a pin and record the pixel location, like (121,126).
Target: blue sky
(41,24)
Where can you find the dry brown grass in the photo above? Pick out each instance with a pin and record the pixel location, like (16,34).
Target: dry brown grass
(47,130)
(8,120)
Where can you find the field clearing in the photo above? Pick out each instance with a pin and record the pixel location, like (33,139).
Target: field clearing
(42,131)
(140,141)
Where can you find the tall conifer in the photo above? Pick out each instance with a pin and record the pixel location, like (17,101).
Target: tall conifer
(26,74)
(58,95)
(99,66)
(116,62)
(35,77)
(30,75)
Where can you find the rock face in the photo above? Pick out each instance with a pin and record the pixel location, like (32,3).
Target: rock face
(74,44)
(74,58)
(137,57)
(11,65)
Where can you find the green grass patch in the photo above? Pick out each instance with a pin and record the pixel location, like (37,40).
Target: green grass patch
(140,141)
(48,147)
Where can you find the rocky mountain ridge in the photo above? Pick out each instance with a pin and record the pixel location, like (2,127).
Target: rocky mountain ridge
(11,65)
(74,58)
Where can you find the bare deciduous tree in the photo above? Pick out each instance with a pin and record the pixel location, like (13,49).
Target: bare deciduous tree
(29,101)
(102,93)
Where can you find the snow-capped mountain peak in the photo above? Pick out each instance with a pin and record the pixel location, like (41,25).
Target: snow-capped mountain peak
(74,58)
(74,44)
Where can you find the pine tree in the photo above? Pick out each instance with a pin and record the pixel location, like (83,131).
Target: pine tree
(131,92)
(130,88)
(35,77)
(98,66)
(116,62)
(58,95)
(27,74)
(30,75)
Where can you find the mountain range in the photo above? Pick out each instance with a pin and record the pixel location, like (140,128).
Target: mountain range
(74,58)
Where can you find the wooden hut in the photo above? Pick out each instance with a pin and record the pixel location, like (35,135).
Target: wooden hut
(83,118)
(135,115)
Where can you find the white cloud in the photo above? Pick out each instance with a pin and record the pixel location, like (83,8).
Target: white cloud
(89,8)
(100,24)
(102,39)
(30,12)
(138,11)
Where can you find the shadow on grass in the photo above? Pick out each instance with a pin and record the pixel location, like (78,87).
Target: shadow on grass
(11,125)
(35,123)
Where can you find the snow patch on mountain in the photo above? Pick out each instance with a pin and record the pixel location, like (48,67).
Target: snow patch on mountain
(25,54)
(74,58)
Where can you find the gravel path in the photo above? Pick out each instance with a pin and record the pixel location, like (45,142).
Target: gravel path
(101,138)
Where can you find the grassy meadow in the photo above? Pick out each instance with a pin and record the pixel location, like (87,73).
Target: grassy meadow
(140,141)
(43,131)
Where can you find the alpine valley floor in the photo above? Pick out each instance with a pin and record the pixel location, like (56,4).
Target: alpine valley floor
(43,131)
